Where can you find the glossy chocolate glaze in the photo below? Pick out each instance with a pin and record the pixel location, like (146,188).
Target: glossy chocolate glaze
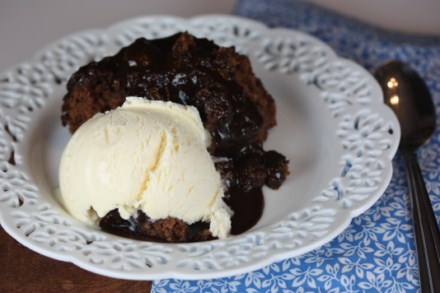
(152,69)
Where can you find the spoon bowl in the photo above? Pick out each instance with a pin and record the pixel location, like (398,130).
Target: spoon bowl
(409,97)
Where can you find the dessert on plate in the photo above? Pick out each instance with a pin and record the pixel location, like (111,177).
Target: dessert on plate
(193,128)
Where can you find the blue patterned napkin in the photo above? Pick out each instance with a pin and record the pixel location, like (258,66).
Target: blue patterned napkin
(376,252)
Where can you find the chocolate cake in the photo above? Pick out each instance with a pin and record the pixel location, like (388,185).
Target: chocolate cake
(234,106)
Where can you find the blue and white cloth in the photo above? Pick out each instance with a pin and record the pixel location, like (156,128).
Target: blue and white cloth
(376,253)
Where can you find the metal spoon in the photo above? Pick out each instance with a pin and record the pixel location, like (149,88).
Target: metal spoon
(409,98)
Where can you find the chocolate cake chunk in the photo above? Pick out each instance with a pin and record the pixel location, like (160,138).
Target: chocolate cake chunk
(143,228)
(234,106)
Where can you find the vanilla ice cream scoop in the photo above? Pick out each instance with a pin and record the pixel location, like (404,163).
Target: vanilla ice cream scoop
(145,155)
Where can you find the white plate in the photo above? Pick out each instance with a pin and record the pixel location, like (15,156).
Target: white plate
(332,125)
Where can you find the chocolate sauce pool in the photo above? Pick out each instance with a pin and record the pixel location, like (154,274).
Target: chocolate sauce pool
(247,206)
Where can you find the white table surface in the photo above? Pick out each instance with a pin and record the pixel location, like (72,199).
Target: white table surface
(27,26)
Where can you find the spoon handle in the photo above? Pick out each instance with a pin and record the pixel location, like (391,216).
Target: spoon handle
(426,231)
